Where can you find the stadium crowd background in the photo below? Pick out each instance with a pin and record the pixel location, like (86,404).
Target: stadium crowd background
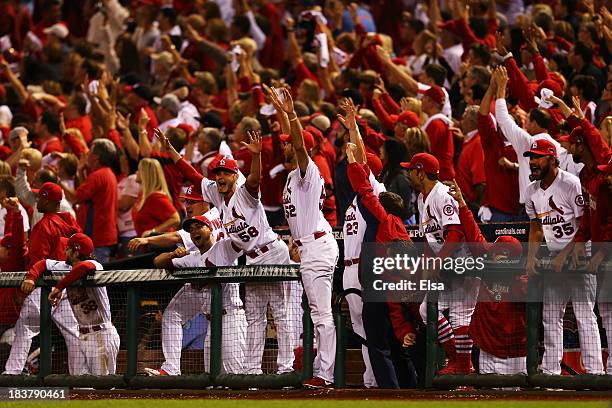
(83,85)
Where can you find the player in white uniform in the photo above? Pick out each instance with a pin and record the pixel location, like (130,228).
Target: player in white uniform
(439,222)
(303,200)
(208,254)
(354,229)
(98,337)
(245,222)
(187,302)
(554,204)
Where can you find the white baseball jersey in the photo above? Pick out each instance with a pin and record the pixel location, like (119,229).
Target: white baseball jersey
(303,200)
(557,208)
(222,253)
(218,231)
(355,225)
(437,211)
(90,305)
(243,216)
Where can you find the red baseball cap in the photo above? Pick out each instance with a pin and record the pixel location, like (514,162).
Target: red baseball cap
(576,136)
(51,191)
(374,163)
(186,128)
(228,164)
(81,243)
(198,218)
(436,94)
(192,193)
(316,133)
(408,118)
(552,85)
(541,147)
(423,161)
(507,245)
(309,142)
(7,240)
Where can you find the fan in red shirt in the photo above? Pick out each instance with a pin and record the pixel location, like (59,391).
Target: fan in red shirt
(470,165)
(47,131)
(96,198)
(77,117)
(498,325)
(438,130)
(153,211)
(13,257)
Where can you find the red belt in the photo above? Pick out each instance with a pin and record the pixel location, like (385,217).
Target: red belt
(262,250)
(316,235)
(349,262)
(90,329)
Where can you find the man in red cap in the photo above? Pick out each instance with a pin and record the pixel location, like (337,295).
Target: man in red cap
(246,224)
(98,337)
(555,204)
(47,240)
(440,223)
(498,325)
(396,121)
(438,130)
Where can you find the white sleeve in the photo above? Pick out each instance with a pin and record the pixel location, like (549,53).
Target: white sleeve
(518,137)
(529,205)
(193,260)
(256,32)
(222,253)
(26,219)
(575,198)
(210,192)
(449,214)
(245,197)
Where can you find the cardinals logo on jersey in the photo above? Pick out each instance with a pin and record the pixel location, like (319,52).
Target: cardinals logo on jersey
(235,214)
(552,205)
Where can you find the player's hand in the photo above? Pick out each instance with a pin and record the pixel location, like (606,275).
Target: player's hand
(254,146)
(27,286)
(578,252)
(55,296)
(596,260)
(409,339)
(531,266)
(180,252)
(455,192)
(559,262)
(136,243)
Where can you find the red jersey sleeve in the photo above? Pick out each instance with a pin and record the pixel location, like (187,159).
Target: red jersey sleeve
(187,170)
(80,269)
(454,236)
(360,183)
(37,270)
(518,84)
(541,72)
(401,327)
(382,114)
(88,188)
(390,105)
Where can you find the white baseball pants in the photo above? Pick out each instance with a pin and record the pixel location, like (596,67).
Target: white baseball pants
(319,259)
(350,279)
(580,289)
(233,342)
(28,327)
(101,349)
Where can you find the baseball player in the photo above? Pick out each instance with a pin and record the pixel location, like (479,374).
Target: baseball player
(187,302)
(245,222)
(194,300)
(554,204)
(302,201)
(498,325)
(353,231)
(439,222)
(47,240)
(98,338)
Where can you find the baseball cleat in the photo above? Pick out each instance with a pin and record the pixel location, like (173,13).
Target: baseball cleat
(317,383)
(152,372)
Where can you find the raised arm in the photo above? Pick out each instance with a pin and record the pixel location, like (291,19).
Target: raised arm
(350,121)
(405,80)
(254,147)
(186,169)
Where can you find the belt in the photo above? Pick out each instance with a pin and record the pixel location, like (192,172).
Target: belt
(263,249)
(349,262)
(93,328)
(316,235)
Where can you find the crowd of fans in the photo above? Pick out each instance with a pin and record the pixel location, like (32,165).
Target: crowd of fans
(85,84)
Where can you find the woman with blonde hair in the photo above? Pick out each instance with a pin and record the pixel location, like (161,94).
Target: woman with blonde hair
(5,169)
(309,93)
(153,211)
(416,141)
